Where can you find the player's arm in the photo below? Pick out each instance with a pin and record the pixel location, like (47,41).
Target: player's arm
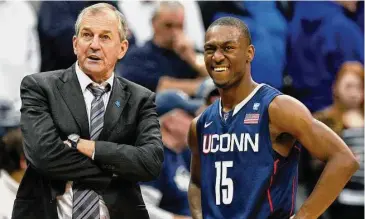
(194,193)
(291,116)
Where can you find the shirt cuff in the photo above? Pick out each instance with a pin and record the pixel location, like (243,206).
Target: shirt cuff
(93,155)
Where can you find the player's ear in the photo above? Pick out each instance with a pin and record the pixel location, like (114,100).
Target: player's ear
(250,53)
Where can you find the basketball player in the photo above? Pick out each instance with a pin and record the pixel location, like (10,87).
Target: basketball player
(244,146)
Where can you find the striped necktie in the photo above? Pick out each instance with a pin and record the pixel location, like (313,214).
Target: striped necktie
(86,201)
(97,110)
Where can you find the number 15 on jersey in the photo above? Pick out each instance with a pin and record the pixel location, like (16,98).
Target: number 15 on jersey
(223,184)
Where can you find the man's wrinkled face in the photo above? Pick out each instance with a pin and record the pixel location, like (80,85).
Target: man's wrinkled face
(98,45)
(168,24)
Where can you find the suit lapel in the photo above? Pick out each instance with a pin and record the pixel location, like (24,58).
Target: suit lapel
(117,101)
(71,93)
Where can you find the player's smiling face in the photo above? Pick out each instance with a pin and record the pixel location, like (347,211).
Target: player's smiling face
(225,55)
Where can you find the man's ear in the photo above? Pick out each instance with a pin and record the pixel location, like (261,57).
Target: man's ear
(250,53)
(74,44)
(123,48)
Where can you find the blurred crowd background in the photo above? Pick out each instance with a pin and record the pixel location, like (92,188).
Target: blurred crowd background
(313,51)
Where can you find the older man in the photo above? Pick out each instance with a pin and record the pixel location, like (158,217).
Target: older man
(89,137)
(168,60)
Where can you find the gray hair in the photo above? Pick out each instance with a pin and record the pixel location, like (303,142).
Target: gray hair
(101,7)
(172,5)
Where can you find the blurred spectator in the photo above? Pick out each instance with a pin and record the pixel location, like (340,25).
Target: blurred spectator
(9,117)
(167,196)
(35,5)
(210,8)
(346,117)
(268,29)
(347,109)
(286,8)
(168,61)
(360,15)
(19,44)
(56,20)
(169,100)
(321,38)
(12,161)
(350,202)
(175,99)
(140,14)
(12,168)
(208,92)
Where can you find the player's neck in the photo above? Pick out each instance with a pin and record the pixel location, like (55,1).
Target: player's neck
(234,95)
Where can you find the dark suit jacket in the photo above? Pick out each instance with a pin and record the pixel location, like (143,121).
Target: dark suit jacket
(129,145)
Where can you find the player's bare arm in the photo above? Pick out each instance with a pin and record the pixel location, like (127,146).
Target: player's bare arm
(194,193)
(287,115)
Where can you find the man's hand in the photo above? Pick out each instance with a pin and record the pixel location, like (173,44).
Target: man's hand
(184,48)
(86,147)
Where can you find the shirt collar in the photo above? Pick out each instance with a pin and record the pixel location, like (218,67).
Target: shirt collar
(242,103)
(84,80)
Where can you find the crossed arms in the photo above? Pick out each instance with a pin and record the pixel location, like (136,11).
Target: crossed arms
(49,155)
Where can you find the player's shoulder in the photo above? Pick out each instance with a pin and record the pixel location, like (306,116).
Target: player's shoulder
(287,106)
(267,90)
(286,101)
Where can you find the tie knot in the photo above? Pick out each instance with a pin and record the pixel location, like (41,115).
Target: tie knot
(98,90)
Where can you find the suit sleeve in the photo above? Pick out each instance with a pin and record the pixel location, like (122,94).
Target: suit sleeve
(139,162)
(43,148)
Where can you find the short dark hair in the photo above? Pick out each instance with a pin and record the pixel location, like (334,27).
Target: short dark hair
(233,22)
